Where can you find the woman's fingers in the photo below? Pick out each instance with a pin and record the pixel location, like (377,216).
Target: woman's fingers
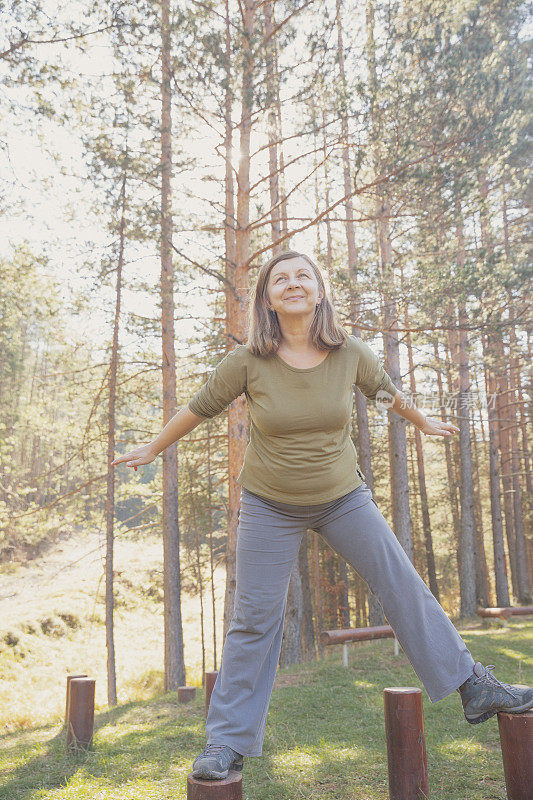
(127,457)
(135,458)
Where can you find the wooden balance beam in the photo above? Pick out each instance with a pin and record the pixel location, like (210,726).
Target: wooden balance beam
(345,635)
(505,612)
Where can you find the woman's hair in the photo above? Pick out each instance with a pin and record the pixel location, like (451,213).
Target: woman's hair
(264,332)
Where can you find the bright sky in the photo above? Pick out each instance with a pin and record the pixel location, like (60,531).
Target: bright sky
(49,205)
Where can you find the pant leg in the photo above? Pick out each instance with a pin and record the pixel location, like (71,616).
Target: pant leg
(355,527)
(267,546)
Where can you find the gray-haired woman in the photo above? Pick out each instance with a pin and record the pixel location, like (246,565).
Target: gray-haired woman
(300,471)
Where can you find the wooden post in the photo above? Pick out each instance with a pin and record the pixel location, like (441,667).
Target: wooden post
(210,679)
(69,678)
(80,721)
(516,738)
(229,788)
(186,693)
(406,747)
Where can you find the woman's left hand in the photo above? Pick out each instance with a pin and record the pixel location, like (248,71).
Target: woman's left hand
(436,427)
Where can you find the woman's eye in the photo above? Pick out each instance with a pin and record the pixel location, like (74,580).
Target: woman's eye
(301,275)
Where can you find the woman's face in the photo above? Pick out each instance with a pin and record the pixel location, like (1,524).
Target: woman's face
(292,288)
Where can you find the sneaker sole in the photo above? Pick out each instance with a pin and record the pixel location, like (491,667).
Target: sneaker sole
(209,774)
(488,714)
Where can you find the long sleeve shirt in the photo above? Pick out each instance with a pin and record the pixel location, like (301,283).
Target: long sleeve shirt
(299,449)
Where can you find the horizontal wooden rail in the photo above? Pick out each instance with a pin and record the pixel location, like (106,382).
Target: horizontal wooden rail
(505,612)
(356,634)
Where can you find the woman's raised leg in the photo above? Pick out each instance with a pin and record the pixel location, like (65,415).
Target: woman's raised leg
(355,527)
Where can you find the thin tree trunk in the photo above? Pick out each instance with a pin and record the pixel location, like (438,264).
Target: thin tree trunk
(271,89)
(291,645)
(452,488)
(318,599)
(397,437)
(426,522)
(110,482)
(199,576)
(468,539)
(482,578)
(500,571)
(174,664)
(308,629)
(237,312)
(211,553)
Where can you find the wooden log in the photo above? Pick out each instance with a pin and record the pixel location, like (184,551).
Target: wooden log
(516,739)
(504,612)
(69,678)
(356,634)
(406,747)
(210,678)
(521,611)
(186,693)
(80,722)
(229,788)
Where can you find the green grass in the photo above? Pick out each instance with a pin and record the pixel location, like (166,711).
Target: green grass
(325,735)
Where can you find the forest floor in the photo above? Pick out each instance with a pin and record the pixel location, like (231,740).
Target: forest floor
(325,733)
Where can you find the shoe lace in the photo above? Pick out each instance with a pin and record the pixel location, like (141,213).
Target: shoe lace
(491,679)
(214,748)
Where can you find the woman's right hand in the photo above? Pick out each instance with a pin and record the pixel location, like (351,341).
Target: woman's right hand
(144,454)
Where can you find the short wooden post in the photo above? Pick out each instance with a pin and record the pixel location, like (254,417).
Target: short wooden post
(229,788)
(80,721)
(516,739)
(210,679)
(406,747)
(69,678)
(395,646)
(186,693)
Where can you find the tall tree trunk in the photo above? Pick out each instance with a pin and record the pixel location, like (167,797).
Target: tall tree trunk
(174,661)
(110,483)
(524,584)
(363,432)
(482,578)
(319,617)
(421,472)
(271,94)
(237,312)
(329,242)
(291,645)
(509,436)
(452,487)
(397,438)
(468,539)
(211,548)
(281,179)
(500,572)
(308,628)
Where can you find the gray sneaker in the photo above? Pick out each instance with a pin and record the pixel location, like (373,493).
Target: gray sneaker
(215,762)
(483,695)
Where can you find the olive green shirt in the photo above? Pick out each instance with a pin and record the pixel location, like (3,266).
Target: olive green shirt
(300,450)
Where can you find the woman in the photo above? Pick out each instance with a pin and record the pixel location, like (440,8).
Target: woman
(300,471)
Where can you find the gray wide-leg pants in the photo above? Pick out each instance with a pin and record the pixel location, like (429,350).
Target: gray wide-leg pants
(269,536)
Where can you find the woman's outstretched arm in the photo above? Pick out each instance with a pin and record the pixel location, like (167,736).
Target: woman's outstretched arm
(179,425)
(428,425)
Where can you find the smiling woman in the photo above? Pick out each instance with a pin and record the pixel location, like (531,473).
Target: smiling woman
(300,470)
(290,312)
